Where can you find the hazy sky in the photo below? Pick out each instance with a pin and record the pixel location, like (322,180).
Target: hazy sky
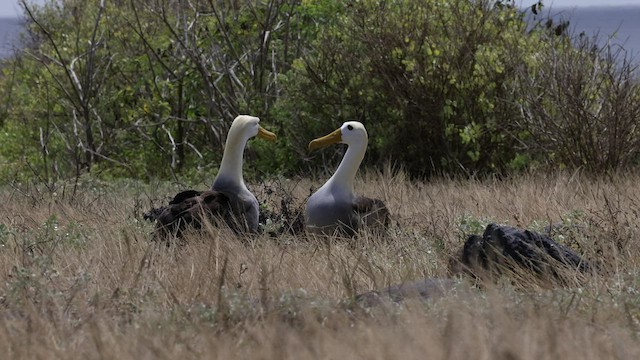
(10,8)
(556,3)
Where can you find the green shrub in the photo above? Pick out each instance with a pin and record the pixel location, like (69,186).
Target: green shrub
(431,80)
(580,105)
(147,89)
(140,89)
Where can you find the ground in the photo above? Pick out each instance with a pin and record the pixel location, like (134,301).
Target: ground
(81,277)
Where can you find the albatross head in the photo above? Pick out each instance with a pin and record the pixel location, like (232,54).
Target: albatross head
(355,136)
(350,133)
(244,127)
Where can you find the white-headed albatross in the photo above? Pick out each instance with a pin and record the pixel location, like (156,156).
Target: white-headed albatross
(334,208)
(228,199)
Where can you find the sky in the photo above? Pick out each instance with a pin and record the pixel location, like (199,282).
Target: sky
(574,3)
(10,8)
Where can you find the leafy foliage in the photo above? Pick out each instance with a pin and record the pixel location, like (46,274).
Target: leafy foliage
(431,81)
(580,105)
(147,89)
(141,88)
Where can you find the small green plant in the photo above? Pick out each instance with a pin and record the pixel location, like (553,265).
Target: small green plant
(4,236)
(468,225)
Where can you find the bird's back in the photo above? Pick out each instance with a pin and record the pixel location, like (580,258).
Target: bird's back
(190,209)
(244,205)
(328,213)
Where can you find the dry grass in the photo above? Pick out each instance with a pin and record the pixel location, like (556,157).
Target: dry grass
(80,279)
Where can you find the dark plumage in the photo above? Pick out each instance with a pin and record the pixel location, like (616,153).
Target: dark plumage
(192,208)
(371,212)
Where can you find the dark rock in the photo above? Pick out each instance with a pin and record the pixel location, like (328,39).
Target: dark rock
(424,289)
(504,245)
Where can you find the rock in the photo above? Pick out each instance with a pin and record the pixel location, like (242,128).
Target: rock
(425,289)
(502,245)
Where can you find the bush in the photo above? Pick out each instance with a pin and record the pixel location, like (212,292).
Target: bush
(431,80)
(581,105)
(142,88)
(147,89)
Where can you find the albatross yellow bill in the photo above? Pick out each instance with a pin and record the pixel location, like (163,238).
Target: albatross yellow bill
(333,138)
(266,134)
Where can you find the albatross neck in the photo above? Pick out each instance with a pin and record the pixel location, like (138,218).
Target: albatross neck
(345,175)
(231,165)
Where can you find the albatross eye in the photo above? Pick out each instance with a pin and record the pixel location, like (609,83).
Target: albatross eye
(349,127)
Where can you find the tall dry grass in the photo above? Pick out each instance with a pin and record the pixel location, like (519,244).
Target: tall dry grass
(81,278)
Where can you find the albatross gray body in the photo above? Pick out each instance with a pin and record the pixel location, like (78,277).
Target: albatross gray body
(331,211)
(244,205)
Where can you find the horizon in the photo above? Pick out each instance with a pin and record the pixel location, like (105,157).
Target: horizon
(586,3)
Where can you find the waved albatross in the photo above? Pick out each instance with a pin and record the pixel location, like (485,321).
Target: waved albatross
(334,208)
(228,200)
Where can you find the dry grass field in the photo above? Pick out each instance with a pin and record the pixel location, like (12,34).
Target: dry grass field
(81,278)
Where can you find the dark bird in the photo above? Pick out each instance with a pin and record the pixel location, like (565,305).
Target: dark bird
(334,208)
(228,201)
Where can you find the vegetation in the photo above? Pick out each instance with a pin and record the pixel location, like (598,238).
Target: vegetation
(82,278)
(580,104)
(147,89)
(109,99)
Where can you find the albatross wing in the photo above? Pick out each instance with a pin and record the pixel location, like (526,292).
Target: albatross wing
(186,211)
(372,213)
